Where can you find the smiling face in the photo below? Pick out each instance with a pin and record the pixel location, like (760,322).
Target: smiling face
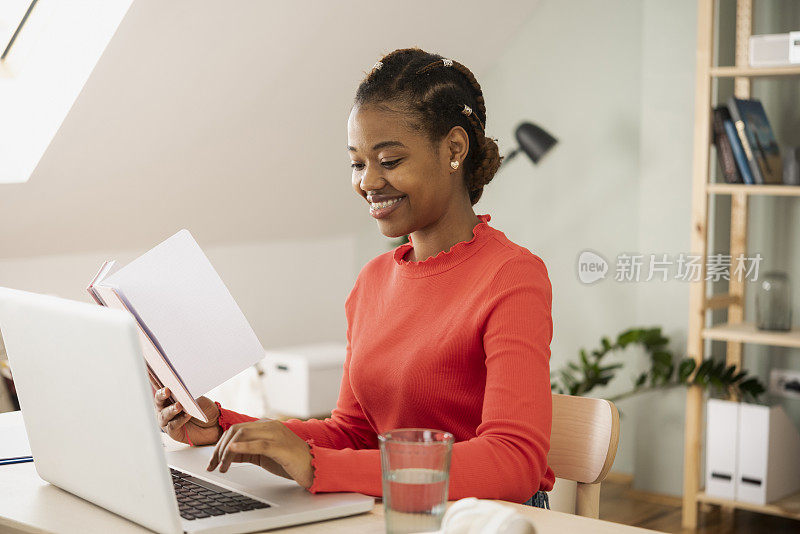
(391,161)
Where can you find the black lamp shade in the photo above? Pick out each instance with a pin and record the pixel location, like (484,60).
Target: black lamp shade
(534,141)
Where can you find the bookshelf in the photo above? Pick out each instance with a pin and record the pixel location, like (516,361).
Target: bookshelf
(735,332)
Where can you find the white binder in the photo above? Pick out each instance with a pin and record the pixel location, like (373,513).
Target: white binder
(768,454)
(722,424)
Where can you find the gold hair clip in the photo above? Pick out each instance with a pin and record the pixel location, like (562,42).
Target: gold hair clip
(467,110)
(447,62)
(377,65)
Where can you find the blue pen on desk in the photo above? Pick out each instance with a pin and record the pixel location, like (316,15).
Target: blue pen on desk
(16,460)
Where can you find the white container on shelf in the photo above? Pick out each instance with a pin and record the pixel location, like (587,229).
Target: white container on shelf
(769,454)
(752,452)
(722,438)
(775,50)
(794,48)
(303,381)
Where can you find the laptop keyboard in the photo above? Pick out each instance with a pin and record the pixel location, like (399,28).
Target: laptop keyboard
(198,499)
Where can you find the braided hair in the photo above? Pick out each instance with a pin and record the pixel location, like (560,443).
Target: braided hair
(440,93)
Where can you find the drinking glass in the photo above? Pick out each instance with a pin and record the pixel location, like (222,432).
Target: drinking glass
(415,463)
(773,302)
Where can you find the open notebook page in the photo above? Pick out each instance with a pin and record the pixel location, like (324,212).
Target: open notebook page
(175,291)
(157,366)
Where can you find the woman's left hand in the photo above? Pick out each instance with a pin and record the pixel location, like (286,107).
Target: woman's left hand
(268,444)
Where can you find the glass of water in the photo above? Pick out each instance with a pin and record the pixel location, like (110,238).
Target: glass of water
(415,463)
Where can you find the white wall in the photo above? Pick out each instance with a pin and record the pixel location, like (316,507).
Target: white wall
(279,285)
(664,225)
(582,82)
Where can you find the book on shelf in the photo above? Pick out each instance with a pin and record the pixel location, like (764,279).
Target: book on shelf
(725,153)
(758,141)
(193,335)
(738,152)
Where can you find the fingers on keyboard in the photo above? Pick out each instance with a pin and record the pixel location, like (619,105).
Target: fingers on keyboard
(201,500)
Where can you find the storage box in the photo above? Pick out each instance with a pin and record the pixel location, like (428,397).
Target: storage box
(769,454)
(722,439)
(752,452)
(775,50)
(303,381)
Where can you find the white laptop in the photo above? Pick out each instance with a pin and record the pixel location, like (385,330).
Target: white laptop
(89,414)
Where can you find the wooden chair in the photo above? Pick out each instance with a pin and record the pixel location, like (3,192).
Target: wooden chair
(583,444)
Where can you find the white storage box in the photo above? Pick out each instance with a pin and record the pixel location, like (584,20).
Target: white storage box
(775,50)
(752,452)
(769,454)
(722,439)
(303,380)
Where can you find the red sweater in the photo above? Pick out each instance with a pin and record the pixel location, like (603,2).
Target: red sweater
(457,342)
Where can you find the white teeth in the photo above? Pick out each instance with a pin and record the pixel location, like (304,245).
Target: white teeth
(386,204)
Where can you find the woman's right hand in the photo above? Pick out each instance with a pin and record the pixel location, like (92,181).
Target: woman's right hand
(179,425)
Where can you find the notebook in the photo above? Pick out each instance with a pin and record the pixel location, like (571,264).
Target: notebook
(193,335)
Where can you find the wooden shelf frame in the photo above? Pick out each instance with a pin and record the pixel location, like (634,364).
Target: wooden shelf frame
(786,507)
(748,333)
(754,72)
(698,244)
(754,189)
(735,333)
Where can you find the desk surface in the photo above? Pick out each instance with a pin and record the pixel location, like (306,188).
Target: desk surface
(29,504)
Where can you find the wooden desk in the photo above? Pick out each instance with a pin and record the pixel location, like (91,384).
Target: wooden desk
(29,504)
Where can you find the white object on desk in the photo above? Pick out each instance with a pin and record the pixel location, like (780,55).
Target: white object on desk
(87,406)
(478,516)
(89,414)
(304,380)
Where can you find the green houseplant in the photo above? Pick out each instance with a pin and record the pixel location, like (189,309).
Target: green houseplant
(665,372)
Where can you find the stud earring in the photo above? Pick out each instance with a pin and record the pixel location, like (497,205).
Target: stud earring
(454,164)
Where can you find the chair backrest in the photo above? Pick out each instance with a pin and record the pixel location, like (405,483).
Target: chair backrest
(583,444)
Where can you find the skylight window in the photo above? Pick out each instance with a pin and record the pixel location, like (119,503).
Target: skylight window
(50,49)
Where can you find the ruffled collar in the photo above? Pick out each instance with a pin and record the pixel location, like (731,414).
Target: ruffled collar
(444,260)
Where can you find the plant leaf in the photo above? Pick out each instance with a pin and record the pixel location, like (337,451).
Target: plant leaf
(685,369)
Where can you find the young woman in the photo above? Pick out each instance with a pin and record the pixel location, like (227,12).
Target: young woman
(450,331)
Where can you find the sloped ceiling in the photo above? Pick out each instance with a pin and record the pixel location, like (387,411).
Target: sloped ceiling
(228,118)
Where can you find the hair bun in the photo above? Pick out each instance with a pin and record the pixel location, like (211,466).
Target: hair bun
(490,158)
